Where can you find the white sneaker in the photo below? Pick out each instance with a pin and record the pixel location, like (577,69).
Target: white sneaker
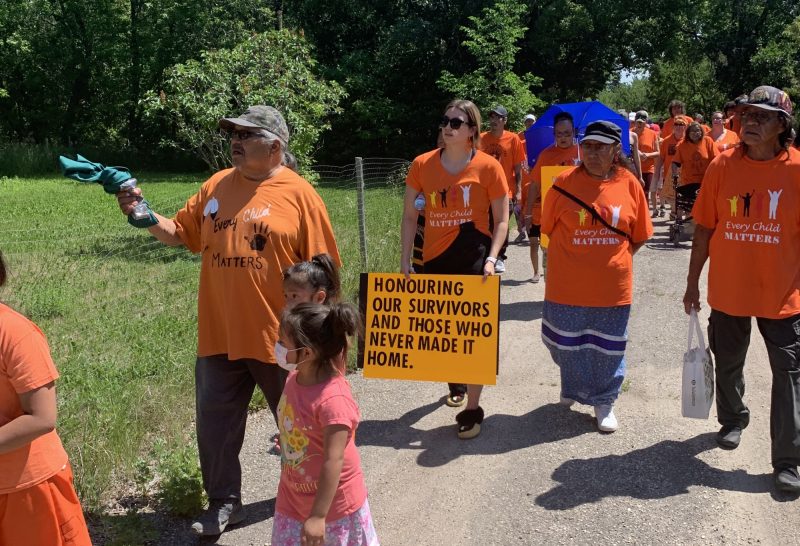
(606,421)
(566,402)
(499,266)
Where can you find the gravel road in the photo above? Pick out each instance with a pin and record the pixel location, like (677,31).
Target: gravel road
(540,473)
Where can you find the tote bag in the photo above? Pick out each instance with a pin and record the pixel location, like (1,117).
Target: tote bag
(698,374)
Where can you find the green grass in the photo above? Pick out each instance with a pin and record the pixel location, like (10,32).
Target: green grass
(119,310)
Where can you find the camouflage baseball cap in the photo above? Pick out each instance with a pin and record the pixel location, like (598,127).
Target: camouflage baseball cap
(771,98)
(263,117)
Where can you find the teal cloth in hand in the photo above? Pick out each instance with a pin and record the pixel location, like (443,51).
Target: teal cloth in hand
(143,216)
(112,179)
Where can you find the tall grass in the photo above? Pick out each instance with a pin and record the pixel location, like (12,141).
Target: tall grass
(119,309)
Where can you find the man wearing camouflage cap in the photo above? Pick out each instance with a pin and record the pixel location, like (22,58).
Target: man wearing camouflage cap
(249,223)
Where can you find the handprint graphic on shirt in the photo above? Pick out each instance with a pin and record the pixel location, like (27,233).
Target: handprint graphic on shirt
(260,236)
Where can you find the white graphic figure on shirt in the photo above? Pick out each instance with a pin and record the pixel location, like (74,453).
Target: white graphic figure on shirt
(615,215)
(211,208)
(774,196)
(465,194)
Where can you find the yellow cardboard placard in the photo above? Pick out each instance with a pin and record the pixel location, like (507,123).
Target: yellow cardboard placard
(431,327)
(549,174)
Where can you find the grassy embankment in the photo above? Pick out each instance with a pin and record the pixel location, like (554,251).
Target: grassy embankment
(119,310)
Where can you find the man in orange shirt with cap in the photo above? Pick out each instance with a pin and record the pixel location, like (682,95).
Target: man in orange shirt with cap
(506,147)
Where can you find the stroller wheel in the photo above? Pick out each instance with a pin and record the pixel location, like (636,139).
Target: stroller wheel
(675,234)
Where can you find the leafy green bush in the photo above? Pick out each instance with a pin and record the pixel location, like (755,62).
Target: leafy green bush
(274,68)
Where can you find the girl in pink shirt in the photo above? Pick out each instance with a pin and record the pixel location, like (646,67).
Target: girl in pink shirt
(322,498)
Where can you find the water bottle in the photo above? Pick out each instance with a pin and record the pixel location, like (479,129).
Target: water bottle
(140,211)
(419,202)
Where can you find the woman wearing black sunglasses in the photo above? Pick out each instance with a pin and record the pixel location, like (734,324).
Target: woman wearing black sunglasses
(461,186)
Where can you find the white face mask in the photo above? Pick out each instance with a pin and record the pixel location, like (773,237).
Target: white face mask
(281,352)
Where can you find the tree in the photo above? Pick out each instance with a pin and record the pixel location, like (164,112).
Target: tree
(274,68)
(492,40)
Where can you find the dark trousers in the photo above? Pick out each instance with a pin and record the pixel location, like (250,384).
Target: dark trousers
(729,338)
(465,256)
(223,389)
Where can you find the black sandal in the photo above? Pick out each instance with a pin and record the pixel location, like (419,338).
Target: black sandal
(469,423)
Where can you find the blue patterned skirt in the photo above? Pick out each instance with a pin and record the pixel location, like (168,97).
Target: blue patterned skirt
(588,345)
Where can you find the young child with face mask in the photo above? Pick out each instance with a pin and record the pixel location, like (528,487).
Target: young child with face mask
(316,281)
(322,497)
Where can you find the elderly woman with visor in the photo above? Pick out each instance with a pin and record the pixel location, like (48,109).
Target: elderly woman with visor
(597,218)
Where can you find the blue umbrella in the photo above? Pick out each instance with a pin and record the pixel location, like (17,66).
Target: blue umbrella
(540,135)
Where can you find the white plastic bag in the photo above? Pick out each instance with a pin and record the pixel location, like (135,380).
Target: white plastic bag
(698,374)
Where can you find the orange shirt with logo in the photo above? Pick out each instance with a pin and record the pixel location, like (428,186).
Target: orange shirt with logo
(25,365)
(728,139)
(455,199)
(588,264)
(694,158)
(552,156)
(647,144)
(509,151)
(248,233)
(754,209)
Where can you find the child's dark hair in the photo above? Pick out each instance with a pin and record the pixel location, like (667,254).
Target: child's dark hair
(3,273)
(320,274)
(323,329)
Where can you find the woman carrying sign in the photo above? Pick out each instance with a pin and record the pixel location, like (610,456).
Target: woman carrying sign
(597,217)
(462,187)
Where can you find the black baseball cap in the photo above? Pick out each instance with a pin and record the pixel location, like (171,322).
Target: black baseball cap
(604,132)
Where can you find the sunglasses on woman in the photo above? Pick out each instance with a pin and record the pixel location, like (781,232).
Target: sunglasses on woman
(455,123)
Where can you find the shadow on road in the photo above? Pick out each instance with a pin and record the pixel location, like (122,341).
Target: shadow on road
(665,469)
(521,310)
(500,433)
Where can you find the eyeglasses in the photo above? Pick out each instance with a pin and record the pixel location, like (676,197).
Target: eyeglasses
(759,117)
(244,135)
(455,123)
(715,120)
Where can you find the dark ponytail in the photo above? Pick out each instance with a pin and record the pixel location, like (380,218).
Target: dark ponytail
(323,329)
(318,274)
(3,273)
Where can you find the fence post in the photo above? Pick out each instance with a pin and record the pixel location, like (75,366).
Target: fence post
(362,214)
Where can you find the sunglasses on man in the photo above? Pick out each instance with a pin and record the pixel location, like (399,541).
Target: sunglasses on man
(455,123)
(243,134)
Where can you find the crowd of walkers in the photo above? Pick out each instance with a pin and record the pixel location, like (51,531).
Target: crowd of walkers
(269,313)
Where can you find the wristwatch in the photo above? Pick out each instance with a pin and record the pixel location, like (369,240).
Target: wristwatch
(491,260)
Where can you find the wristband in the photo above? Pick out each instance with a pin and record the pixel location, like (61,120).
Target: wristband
(491,260)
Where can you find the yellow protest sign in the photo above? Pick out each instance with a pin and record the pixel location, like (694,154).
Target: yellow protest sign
(549,174)
(430,327)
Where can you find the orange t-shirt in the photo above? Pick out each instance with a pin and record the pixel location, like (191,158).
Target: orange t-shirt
(509,151)
(669,147)
(754,209)
(588,264)
(694,158)
(248,234)
(647,144)
(552,156)
(521,136)
(25,365)
(455,199)
(728,139)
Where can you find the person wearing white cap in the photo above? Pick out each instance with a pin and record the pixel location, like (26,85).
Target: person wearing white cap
(249,223)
